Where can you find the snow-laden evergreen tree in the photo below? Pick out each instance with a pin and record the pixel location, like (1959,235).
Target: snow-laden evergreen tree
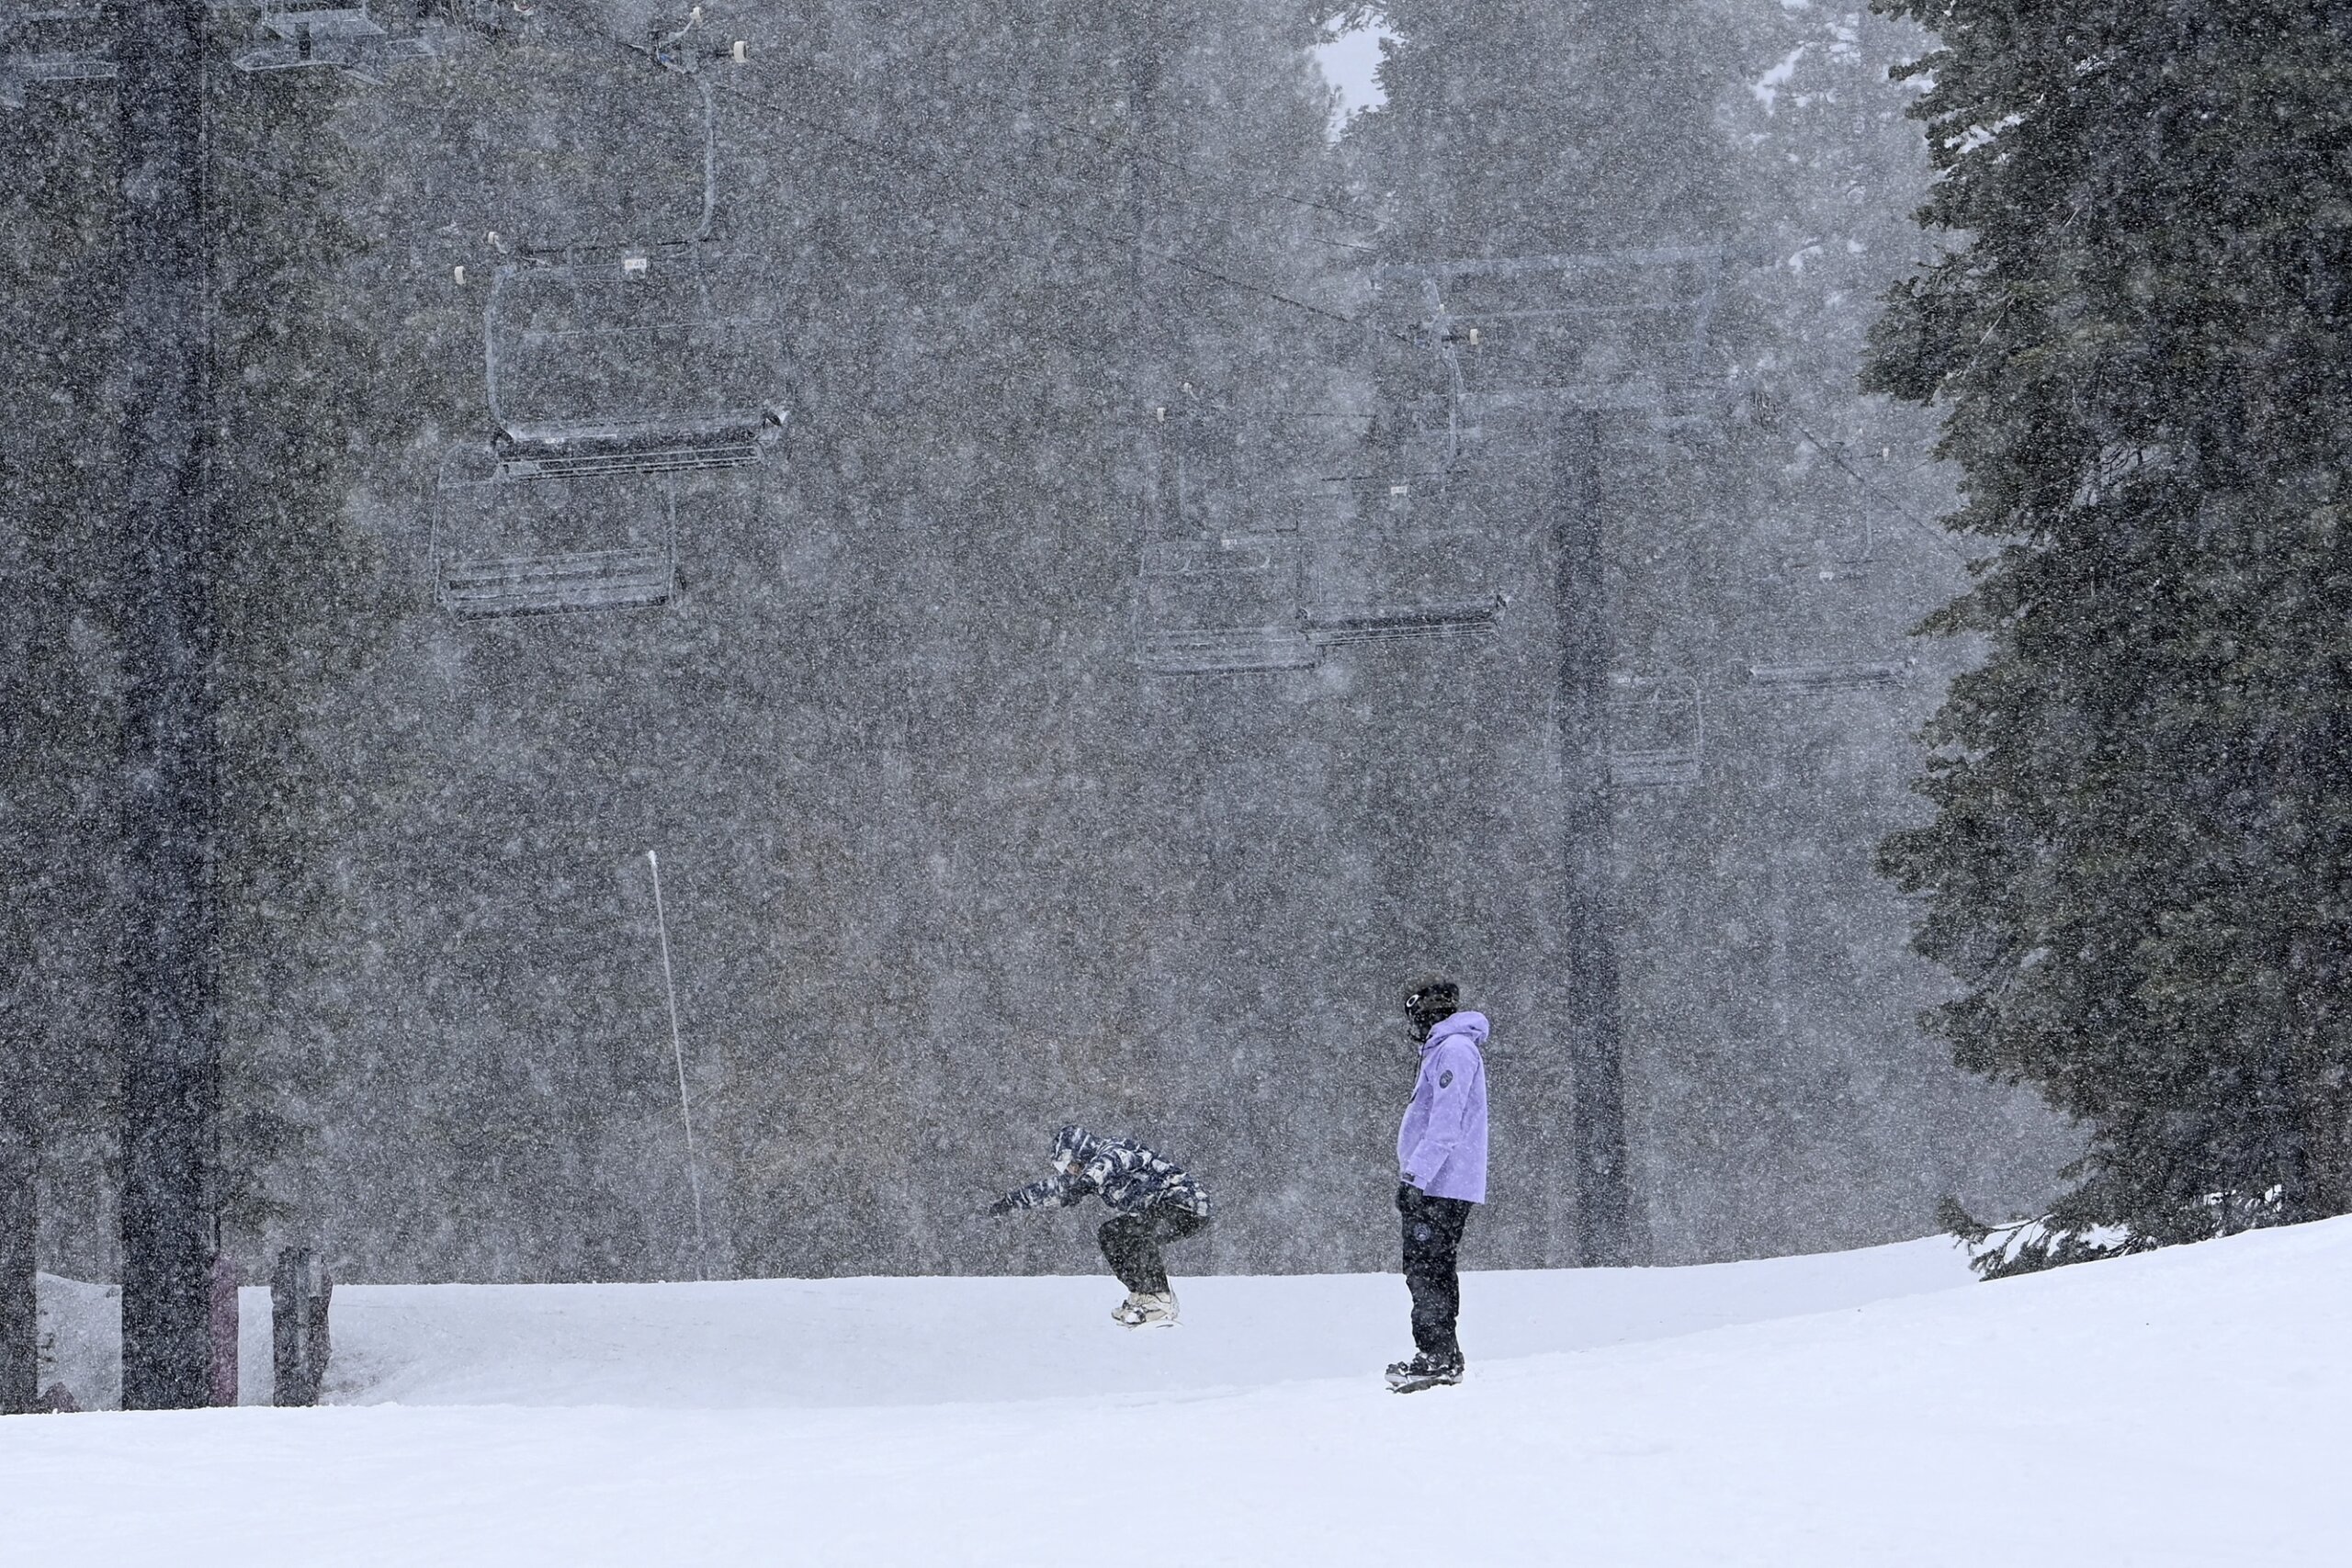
(2136,869)
(299,393)
(58,729)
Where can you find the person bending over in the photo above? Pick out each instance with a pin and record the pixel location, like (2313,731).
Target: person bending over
(1155,1203)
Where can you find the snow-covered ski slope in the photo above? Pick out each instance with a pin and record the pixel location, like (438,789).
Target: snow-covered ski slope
(1868,1408)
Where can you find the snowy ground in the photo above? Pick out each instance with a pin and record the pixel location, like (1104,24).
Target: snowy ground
(1866,1408)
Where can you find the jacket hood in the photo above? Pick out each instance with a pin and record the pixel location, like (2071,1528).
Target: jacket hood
(1463,1025)
(1074,1146)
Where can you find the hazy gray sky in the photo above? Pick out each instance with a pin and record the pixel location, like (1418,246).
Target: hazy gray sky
(1348,62)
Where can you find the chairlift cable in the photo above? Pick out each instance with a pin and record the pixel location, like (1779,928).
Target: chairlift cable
(1023,108)
(932,171)
(923,166)
(1125,241)
(1941,536)
(1127,149)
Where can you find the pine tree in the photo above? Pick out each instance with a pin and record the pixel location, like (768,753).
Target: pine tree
(59,732)
(2136,869)
(300,392)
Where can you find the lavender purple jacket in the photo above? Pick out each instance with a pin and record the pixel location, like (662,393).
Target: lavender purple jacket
(1441,1148)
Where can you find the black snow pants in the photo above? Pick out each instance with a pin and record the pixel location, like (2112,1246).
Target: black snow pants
(1432,1243)
(1131,1244)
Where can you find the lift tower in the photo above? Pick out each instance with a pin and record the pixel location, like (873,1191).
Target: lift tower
(170,1021)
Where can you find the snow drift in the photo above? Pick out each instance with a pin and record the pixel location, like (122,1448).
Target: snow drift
(1863,1408)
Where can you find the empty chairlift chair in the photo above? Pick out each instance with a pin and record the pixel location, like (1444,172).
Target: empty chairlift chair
(1393,566)
(606,368)
(59,45)
(589,544)
(1221,606)
(338,34)
(664,359)
(1657,733)
(1819,676)
(1623,330)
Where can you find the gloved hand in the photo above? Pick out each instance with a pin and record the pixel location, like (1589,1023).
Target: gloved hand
(997,1210)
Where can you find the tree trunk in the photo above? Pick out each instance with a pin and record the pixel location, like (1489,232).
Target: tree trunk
(302,1294)
(19,1301)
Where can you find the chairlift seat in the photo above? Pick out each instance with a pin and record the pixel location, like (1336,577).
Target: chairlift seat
(301,35)
(1380,574)
(1395,589)
(17,72)
(1832,675)
(362,58)
(56,46)
(65,68)
(317,20)
(1621,330)
(1220,606)
(641,452)
(1653,770)
(636,363)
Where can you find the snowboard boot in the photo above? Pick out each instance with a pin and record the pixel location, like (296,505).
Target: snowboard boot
(1128,1314)
(1154,1311)
(1424,1371)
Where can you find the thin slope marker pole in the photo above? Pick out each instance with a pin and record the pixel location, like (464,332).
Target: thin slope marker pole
(678,1050)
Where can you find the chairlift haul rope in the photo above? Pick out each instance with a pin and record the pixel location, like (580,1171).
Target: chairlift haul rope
(931,170)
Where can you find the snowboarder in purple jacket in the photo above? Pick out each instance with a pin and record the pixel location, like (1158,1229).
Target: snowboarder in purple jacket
(1441,1171)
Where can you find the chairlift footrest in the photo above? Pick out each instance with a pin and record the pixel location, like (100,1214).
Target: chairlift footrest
(558,584)
(1477,618)
(668,460)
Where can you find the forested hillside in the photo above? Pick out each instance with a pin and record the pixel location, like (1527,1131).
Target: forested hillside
(1155,630)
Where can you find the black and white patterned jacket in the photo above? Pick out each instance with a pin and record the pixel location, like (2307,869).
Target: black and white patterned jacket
(1128,1176)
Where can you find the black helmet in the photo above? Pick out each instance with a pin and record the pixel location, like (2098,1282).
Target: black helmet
(1430,1004)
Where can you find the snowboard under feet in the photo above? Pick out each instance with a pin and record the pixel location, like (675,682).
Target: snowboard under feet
(1420,1372)
(1146,1312)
